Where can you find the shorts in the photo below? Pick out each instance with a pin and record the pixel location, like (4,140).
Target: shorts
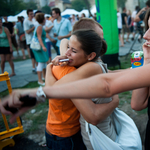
(22,44)
(125,29)
(5,50)
(31,53)
(14,42)
(119,31)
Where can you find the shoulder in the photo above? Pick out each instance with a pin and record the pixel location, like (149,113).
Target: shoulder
(92,66)
(89,69)
(59,71)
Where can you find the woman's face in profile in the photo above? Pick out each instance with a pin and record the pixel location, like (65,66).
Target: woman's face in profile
(76,55)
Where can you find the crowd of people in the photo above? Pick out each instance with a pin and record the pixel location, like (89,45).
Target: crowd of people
(131,23)
(55,28)
(93,98)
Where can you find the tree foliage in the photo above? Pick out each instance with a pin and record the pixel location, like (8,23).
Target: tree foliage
(46,9)
(78,5)
(121,3)
(13,7)
(31,5)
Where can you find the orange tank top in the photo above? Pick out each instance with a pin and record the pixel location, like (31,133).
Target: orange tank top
(63,116)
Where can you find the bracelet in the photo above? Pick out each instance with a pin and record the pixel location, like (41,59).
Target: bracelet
(40,95)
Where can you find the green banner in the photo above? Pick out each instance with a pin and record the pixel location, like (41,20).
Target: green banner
(107,17)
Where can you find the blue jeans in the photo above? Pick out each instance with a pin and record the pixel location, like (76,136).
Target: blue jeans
(48,45)
(74,142)
(56,48)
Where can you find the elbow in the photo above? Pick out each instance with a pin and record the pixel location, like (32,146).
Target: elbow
(94,121)
(107,90)
(95,118)
(134,106)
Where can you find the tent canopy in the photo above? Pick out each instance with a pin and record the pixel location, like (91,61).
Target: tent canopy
(69,12)
(22,13)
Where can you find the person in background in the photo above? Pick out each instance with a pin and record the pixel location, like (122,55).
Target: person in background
(141,14)
(41,56)
(10,27)
(50,40)
(83,15)
(62,27)
(125,27)
(29,28)
(73,19)
(129,22)
(133,22)
(6,48)
(77,16)
(119,23)
(20,33)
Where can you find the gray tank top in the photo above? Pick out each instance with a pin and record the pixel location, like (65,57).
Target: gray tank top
(105,126)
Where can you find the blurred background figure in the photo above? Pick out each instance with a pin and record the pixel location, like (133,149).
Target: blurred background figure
(119,23)
(133,22)
(41,56)
(77,17)
(129,22)
(125,28)
(49,28)
(21,37)
(73,20)
(10,27)
(5,48)
(29,28)
(83,15)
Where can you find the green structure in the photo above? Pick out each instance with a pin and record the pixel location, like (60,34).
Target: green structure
(107,17)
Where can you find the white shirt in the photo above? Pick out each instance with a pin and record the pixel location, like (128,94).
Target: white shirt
(119,20)
(133,16)
(28,25)
(48,24)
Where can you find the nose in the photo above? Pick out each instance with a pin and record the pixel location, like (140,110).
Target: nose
(68,52)
(147,35)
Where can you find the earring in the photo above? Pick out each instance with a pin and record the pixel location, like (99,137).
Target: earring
(89,59)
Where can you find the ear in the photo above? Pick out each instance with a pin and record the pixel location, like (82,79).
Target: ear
(91,56)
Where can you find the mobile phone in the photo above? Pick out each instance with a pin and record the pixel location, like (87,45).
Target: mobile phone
(63,60)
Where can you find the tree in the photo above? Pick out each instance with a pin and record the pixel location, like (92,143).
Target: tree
(78,5)
(11,7)
(88,6)
(31,5)
(121,3)
(46,9)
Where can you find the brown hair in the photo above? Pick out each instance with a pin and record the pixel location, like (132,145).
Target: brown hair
(39,17)
(90,41)
(87,23)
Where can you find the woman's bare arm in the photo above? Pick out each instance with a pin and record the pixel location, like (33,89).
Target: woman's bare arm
(95,113)
(85,71)
(49,78)
(9,38)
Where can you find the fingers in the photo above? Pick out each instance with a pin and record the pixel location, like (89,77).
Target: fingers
(19,113)
(3,104)
(56,62)
(63,64)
